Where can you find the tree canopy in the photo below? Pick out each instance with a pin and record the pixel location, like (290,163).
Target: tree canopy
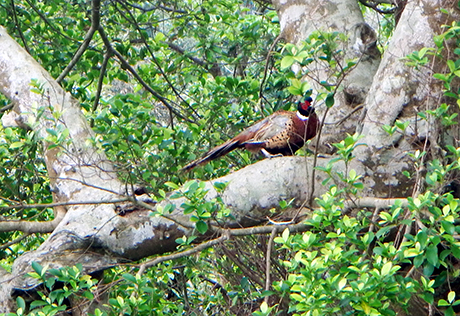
(102,104)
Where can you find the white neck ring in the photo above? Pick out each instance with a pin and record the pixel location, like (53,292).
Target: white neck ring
(302,117)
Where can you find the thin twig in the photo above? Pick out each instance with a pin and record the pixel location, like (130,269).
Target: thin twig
(268,260)
(374,7)
(6,107)
(101,80)
(267,61)
(155,60)
(181,254)
(50,25)
(15,241)
(46,205)
(127,66)
(315,158)
(95,22)
(16,22)
(152,8)
(359,107)
(182,51)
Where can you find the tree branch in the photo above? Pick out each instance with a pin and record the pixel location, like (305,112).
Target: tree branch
(214,72)
(95,22)
(152,8)
(29,206)
(43,17)
(16,22)
(268,260)
(34,227)
(160,68)
(184,253)
(101,80)
(15,241)
(374,5)
(127,66)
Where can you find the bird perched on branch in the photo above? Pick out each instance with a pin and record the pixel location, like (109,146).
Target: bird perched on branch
(283,132)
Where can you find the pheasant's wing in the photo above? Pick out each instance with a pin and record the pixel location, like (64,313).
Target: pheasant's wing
(269,127)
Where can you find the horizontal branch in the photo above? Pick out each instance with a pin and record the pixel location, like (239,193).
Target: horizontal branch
(34,227)
(225,235)
(29,206)
(373,202)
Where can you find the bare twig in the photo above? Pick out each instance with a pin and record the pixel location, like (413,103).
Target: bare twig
(356,109)
(181,254)
(152,8)
(315,158)
(6,107)
(268,260)
(182,51)
(219,286)
(15,241)
(267,62)
(101,80)
(18,27)
(95,22)
(246,271)
(225,235)
(373,202)
(50,25)
(374,6)
(127,66)
(155,60)
(46,205)
(374,219)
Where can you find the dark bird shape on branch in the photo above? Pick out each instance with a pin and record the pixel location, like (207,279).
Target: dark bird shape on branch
(282,133)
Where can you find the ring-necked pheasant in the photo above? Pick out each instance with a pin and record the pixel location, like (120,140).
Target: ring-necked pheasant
(283,132)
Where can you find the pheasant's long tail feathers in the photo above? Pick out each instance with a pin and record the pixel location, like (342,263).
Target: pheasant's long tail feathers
(214,153)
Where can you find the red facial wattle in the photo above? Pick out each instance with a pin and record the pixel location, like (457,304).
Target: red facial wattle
(305,105)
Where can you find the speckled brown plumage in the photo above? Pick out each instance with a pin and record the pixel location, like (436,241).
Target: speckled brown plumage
(283,133)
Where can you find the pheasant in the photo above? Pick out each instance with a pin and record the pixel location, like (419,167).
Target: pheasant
(283,132)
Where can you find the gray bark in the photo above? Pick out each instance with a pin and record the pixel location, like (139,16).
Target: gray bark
(298,19)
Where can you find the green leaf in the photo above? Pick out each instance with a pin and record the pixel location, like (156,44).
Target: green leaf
(37,303)
(171,185)
(16,145)
(386,268)
(201,226)
(88,295)
(442,302)
(432,255)
(285,235)
(169,208)
(21,303)
(449,312)
(342,284)
(329,100)
(448,227)
(440,77)
(129,277)
(451,297)
(455,251)
(287,62)
(264,307)
(37,268)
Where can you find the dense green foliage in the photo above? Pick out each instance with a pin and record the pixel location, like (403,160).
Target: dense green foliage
(208,69)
